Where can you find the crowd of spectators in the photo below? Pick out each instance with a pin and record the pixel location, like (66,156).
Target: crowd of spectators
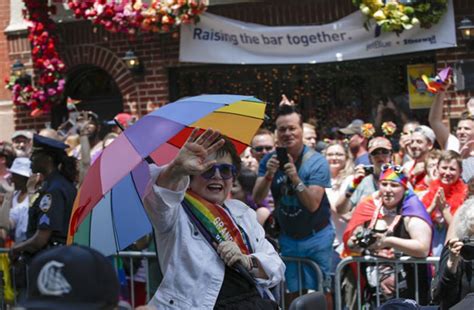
(315,197)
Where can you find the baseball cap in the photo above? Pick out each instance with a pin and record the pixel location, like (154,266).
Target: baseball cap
(22,133)
(427,132)
(71,277)
(379,143)
(354,128)
(124,119)
(21,166)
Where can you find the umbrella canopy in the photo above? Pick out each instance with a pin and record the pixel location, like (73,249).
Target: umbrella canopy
(115,183)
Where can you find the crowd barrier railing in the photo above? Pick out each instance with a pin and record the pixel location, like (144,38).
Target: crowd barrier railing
(132,256)
(377,261)
(300,261)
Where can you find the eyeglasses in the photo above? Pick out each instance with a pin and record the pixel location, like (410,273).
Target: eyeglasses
(396,168)
(260,149)
(380,152)
(226,171)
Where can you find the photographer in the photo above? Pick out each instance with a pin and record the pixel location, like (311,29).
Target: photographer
(396,222)
(456,262)
(365,178)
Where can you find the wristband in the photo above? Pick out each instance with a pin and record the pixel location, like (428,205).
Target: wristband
(269,178)
(352,187)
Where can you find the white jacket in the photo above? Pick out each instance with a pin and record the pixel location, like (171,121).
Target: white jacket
(192,271)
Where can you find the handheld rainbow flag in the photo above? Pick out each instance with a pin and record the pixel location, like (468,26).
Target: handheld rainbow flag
(435,84)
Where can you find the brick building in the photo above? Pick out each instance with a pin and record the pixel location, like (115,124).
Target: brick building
(99,77)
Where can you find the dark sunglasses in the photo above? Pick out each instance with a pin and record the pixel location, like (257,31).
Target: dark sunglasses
(226,171)
(396,168)
(260,149)
(380,152)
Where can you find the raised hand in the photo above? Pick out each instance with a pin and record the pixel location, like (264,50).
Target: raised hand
(286,101)
(291,171)
(454,246)
(193,159)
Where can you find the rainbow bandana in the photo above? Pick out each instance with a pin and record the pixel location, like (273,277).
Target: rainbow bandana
(395,174)
(213,221)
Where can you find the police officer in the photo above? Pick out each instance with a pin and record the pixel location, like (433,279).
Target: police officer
(49,213)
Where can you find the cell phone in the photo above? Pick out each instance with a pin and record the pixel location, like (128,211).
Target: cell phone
(368,169)
(282,156)
(66,128)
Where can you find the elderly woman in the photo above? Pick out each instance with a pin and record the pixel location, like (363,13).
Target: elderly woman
(456,263)
(212,250)
(399,223)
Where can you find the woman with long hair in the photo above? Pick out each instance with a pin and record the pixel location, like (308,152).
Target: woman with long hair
(341,166)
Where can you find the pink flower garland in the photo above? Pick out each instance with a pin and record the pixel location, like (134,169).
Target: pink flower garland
(129,16)
(46,61)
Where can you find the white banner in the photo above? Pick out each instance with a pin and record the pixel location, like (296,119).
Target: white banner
(216,39)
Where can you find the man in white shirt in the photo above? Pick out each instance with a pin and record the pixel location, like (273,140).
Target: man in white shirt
(463,142)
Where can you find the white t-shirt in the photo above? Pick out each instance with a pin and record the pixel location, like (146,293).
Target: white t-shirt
(333,194)
(19,216)
(452,144)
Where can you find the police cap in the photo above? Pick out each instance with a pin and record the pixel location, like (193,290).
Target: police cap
(41,143)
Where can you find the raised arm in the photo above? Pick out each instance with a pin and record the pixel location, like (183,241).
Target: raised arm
(191,159)
(436,119)
(263,183)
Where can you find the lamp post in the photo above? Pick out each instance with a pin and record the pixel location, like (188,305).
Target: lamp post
(467,29)
(133,62)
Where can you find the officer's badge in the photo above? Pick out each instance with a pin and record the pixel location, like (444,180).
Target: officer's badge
(45,202)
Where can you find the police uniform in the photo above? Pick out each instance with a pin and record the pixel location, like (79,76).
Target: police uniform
(52,205)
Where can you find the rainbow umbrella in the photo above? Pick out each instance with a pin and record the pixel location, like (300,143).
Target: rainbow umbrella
(108,213)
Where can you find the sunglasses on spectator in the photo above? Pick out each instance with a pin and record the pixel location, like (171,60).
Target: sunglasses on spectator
(226,171)
(380,152)
(260,149)
(396,168)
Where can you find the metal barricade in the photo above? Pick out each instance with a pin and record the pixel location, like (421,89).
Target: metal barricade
(377,261)
(135,255)
(300,261)
(147,256)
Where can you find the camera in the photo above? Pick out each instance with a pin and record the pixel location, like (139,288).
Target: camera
(467,250)
(368,169)
(365,238)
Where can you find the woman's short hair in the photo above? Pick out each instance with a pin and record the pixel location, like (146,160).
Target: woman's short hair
(229,148)
(464,219)
(449,155)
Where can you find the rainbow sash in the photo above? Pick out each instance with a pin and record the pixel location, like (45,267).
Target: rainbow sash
(213,221)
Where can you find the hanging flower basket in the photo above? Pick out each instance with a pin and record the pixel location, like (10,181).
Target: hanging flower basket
(126,16)
(401,15)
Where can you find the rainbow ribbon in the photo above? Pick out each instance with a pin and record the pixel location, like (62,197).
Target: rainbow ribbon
(216,221)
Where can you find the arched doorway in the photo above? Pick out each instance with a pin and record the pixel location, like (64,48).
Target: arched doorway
(96,90)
